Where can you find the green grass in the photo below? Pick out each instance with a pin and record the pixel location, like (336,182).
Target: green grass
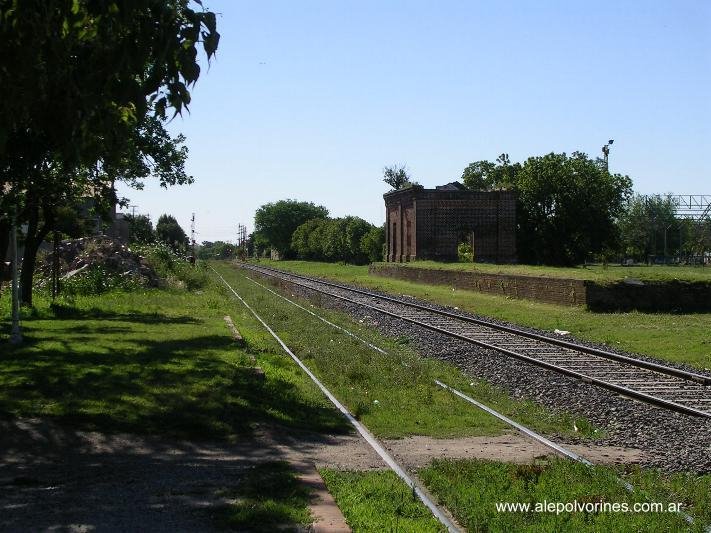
(592,272)
(460,486)
(395,394)
(162,362)
(674,337)
(378,501)
(157,362)
(269,497)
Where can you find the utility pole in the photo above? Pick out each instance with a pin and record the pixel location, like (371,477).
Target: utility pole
(242,240)
(15,332)
(192,238)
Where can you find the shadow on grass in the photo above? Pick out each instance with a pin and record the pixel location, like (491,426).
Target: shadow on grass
(62,311)
(268,498)
(183,388)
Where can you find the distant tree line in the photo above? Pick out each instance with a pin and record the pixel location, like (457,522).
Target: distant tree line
(216,250)
(167,231)
(303,230)
(348,239)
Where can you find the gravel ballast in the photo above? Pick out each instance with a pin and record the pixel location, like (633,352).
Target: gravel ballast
(673,441)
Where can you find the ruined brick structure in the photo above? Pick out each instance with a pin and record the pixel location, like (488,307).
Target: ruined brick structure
(430,223)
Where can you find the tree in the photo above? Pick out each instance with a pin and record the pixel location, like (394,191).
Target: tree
(372,243)
(169,231)
(356,229)
(140,229)
(79,80)
(74,71)
(216,250)
(300,240)
(566,206)
(276,222)
(487,176)
(644,224)
(397,177)
(147,151)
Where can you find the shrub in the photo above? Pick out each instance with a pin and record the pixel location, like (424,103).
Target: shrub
(97,280)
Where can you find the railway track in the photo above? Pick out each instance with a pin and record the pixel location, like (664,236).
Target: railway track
(657,384)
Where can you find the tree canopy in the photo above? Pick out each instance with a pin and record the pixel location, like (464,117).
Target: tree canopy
(140,229)
(169,231)
(567,206)
(85,88)
(349,239)
(397,177)
(487,176)
(276,222)
(74,72)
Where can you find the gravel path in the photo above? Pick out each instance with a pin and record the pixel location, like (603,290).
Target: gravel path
(57,479)
(672,441)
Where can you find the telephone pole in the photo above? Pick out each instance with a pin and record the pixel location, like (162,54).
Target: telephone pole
(242,240)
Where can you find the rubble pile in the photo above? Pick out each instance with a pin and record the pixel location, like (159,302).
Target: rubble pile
(77,255)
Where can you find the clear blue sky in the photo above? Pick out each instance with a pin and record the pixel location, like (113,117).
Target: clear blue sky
(310,99)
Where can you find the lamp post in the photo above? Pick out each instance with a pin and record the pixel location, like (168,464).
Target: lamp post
(606,153)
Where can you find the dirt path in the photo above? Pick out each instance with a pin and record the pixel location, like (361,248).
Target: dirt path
(59,480)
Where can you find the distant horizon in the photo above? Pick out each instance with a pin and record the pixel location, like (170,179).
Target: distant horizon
(311,101)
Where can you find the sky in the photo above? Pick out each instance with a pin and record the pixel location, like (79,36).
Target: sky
(311,99)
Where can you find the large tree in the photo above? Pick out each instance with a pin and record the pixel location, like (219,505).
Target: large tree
(79,84)
(140,229)
(567,206)
(276,222)
(171,233)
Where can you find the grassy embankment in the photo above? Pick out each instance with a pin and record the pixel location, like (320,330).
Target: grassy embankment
(682,338)
(597,273)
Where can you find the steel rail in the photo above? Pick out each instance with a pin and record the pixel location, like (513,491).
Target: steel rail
(549,443)
(620,389)
(685,374)
(523,429)
(367,435)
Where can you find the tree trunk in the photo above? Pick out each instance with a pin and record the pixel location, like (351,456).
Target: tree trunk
(5,226)
(33,240)
(29,257)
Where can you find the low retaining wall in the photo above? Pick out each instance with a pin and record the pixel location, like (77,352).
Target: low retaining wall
(625,295)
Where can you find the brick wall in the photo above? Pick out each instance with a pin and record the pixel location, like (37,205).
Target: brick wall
(656,296)
(429,223)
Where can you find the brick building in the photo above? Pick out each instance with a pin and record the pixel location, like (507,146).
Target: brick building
(430,223)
